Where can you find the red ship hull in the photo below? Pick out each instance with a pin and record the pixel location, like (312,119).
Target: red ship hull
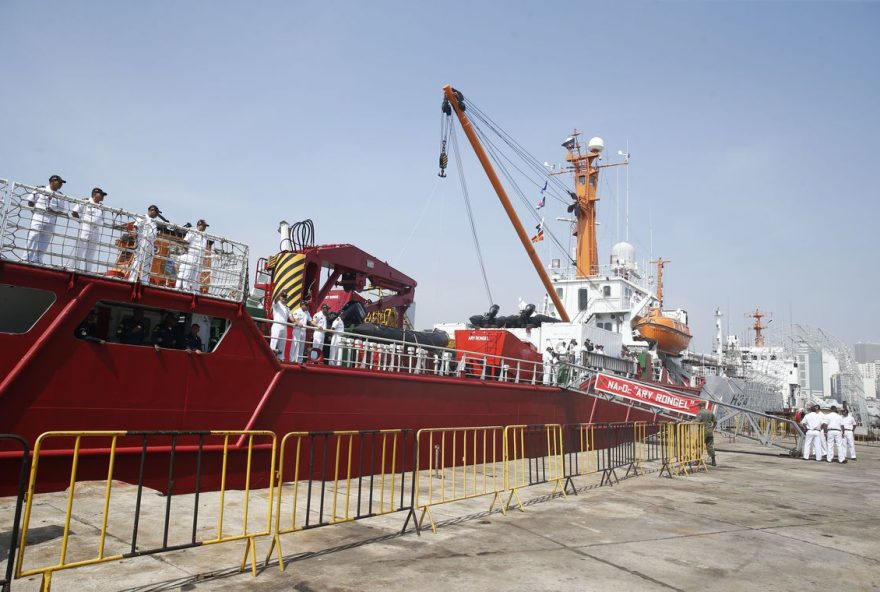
(50,381)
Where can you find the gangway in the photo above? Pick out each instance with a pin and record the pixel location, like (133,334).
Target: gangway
(733,420)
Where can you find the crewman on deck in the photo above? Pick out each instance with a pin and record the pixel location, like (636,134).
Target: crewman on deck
(338,327)
(165,334)
(833,430)
(88,329)
(849,426)
(281,315)
(812,423)
(302,320)
(191,262)
(707,418)
(147,229)
(134,329)
(192,343)
(47,206)
(91,217)
(320,321)
(547,359)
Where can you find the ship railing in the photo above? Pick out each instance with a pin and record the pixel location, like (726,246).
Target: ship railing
(352,350)
(117,244)
(606,270)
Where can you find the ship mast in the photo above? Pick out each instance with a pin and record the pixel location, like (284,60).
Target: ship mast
(586,181)
(453,97)
(660,264)
(758,314)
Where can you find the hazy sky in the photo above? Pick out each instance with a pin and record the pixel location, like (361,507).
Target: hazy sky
(752,126)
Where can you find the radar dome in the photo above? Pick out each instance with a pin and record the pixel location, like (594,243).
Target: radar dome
(597,144)
(623,254)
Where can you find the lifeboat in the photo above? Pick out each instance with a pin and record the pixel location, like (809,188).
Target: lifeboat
(670,335)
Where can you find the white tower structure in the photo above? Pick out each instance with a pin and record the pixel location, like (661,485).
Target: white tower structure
(718,348)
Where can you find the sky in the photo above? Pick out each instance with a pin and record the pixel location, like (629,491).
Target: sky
(752,127)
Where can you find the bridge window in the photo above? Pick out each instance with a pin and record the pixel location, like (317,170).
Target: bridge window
(606,291)
(21,307)
(582,299)
(124,324)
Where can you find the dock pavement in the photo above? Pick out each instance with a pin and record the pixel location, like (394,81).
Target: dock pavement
(757,521)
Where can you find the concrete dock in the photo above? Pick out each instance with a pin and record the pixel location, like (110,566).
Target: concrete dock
(758,521)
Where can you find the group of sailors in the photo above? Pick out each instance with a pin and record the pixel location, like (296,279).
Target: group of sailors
(302,320)
(826,432)
(570,352)
(135,330)
(48,203)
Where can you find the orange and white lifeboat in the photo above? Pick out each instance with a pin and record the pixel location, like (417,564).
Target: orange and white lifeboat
(671,336)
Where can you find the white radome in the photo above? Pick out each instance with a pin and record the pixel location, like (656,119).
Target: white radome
(623,254)
(597,144)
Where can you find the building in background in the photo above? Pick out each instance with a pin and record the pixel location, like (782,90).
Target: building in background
(867,352)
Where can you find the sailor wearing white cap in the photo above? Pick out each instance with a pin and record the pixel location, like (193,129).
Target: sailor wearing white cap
(337,327)
(147,229)
(191,261)
(321,326)
(833,426)
(46,207)
(812,423)
(281,315)
(301,319)
(849,425)
(91,217)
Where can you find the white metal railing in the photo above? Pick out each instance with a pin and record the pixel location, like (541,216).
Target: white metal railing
(39,227)
(351,350)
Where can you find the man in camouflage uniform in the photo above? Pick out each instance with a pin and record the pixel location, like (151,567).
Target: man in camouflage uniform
(707,418)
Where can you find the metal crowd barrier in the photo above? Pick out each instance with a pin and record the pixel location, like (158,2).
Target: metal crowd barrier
(684,448)
(6,582)
(119,546)
(456,464)
(326,478)
(533,454)
(334,477)
(115,243)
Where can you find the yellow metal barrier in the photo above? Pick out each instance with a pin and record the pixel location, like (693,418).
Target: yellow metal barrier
(690,446)
(525,448)
(640,446)
(367,468)
(101,557)
(455,464)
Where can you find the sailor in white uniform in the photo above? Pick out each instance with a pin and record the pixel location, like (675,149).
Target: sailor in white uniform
(46,207)
(834,426)
(91,218)
(849,441)
(191,262)
(338,327)
(547,359)
(812,423)
(281,315)
(142,264)
(301,319)
(320,321)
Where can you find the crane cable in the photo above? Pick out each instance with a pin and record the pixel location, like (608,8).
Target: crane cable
(467,203)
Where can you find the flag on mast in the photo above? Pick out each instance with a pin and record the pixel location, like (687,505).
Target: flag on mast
(543,197)
(540,234)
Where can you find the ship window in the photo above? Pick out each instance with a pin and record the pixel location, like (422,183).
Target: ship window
(582,179)
(119,323)
(559,292)
(582,298)
(606,291)
(21,307)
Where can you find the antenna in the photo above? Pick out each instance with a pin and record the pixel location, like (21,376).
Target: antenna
(625,156)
